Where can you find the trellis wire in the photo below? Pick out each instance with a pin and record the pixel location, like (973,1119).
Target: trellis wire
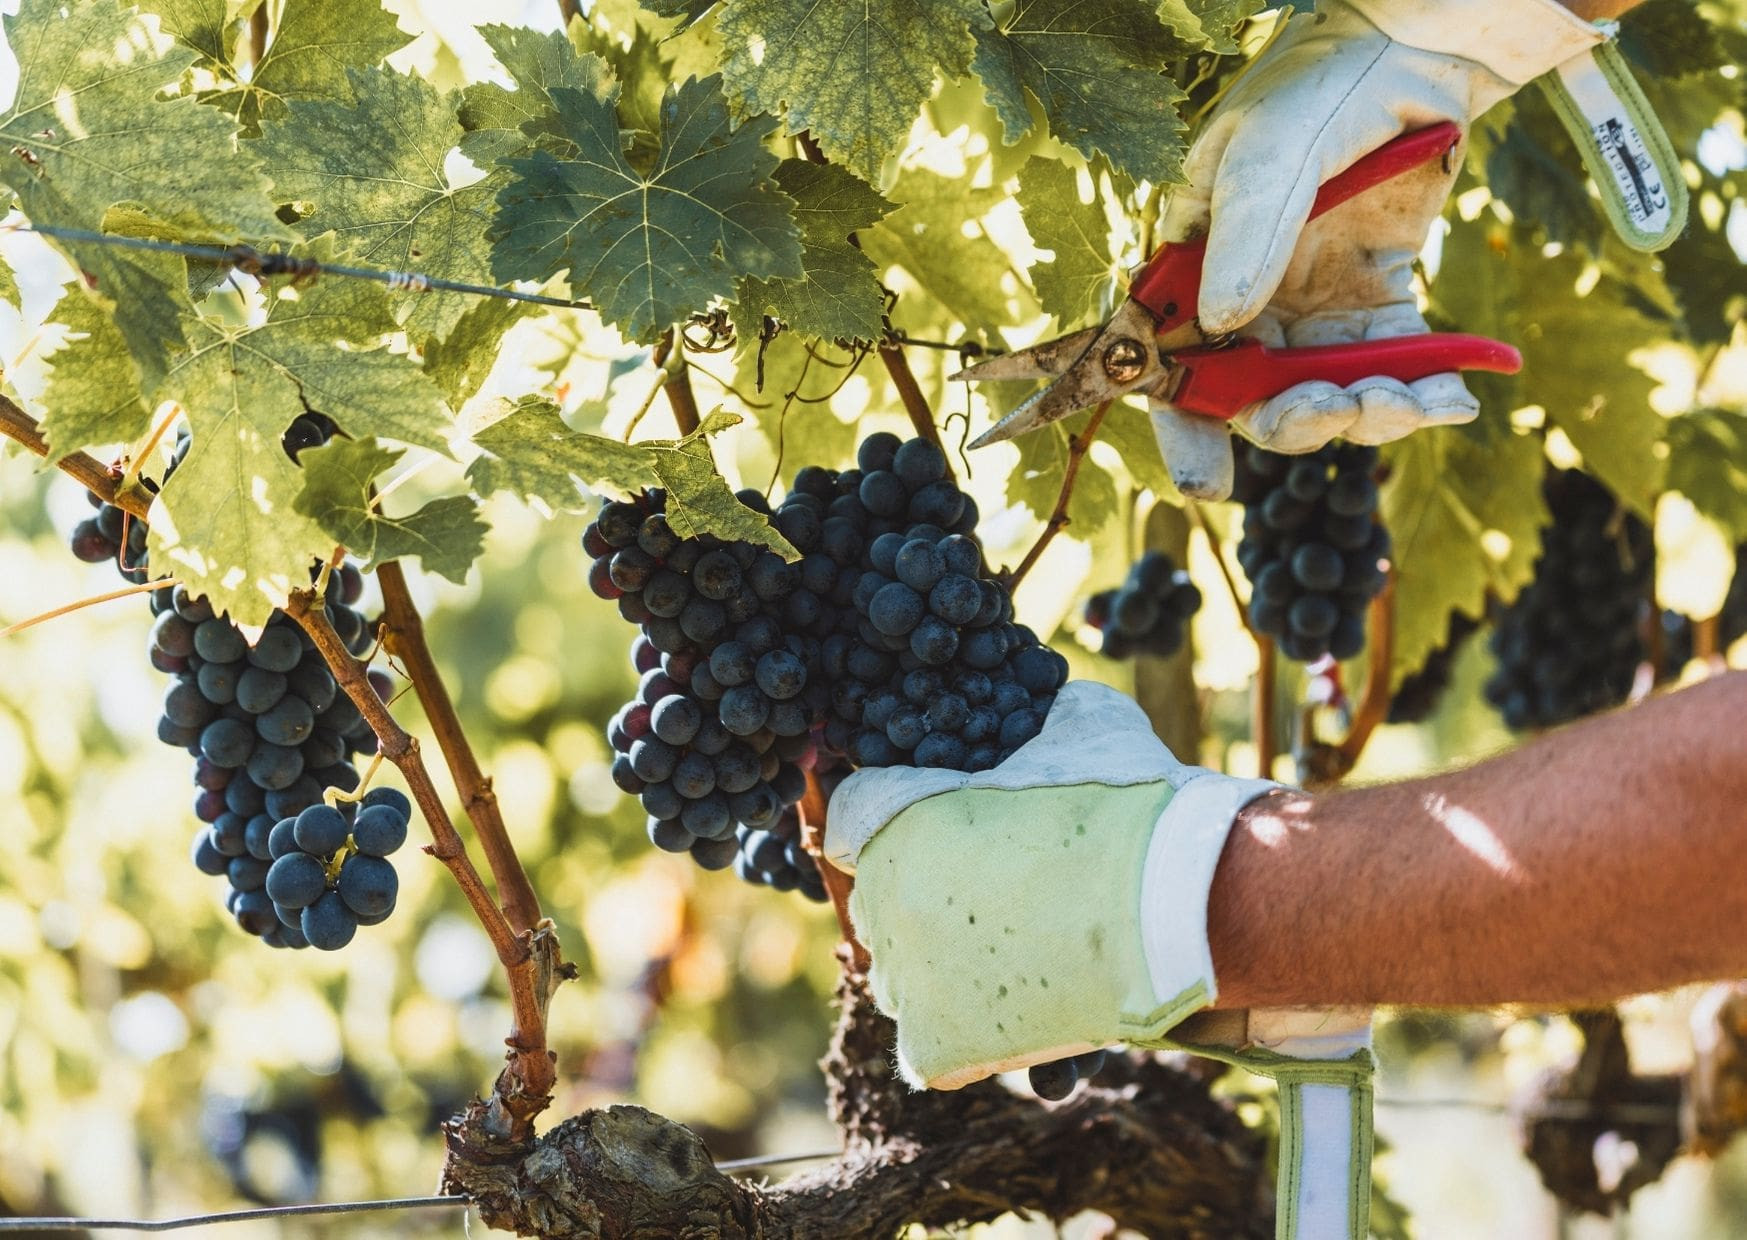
(324,1208)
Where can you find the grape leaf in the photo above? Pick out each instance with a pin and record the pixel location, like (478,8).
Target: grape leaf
(1129,430)
(688,11)
(838,295)
(9,292)
(500,122)
(854,76)
(314,44)
(1707,463)
(445,534)
(1036,482)
(93,393)
(1096,67)
(1209,23)
(226,520)
(1533,168)
(531,452)
(459,362)
(203,26)
(803,427)
(1465,511)
(373,172)
(1076,284)
(926,237)
(1707,274)
(89,128)
(1496,282)
(648,248)
(1669,39)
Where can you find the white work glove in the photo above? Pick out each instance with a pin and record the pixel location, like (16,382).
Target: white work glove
(1334,86)
(1058,903)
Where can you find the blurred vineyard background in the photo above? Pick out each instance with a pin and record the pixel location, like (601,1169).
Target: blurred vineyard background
(153,1061)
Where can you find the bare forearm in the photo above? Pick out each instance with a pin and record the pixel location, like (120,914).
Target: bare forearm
(1604,860)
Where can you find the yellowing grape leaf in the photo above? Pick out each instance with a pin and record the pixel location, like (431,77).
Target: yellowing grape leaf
(852,75)
(502,122)
(926,236)
(1077,282)
(89,128)
(93,394)
(1037,480)
(1465,512)
(459,362)
(446,534)
(530,452)
(648,248)
(1210,23)
(314,43)
(838,294)
(373,174)
(1707,463)
(1097,69)
(225,522)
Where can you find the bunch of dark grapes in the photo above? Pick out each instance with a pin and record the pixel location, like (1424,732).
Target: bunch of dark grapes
(1419,692)
(1571,643)
(1147,613)
(1312,546)
(883,645)
(267,725)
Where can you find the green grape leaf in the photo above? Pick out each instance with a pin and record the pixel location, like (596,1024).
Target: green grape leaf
(648,249)
(315,43)
(445,534)
(838,295)
(1670,39)
(1036,482)
(1097,68)
(1532,167)
(9,292)
(205,26)
(1707,276)
(926,237)
(854,76)
(688,11)
(628,38)
(530,452)
(1497,283)
(1129,430)
(1077,283)
(501,122)
(373,172)
(1465,512)
(88,128)
(1707,463)
(93,394)
(460,362)
(1209,23)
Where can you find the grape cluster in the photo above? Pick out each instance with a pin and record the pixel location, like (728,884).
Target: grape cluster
(1312,546)
(1571,643)
(320,873)
(1146,614)
(267,725)
(1418,694)
(883,645)
(1055,1081)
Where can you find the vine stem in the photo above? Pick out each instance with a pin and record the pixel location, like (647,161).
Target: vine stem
(1237,603)
(1078,445)
(1262,709)
(1373,706)
(91,473)
(532,1069)
(838,885)
(680,397)
(145,587)
(404,638)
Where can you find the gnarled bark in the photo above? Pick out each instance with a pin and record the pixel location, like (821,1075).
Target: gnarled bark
(1145,1144)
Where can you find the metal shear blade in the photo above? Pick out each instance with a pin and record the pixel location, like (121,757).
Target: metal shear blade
(1088,367)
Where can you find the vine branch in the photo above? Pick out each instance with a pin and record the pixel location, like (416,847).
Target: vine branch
(838,885)
(404,638)
(1266,735)
(91,473)
(1078,445)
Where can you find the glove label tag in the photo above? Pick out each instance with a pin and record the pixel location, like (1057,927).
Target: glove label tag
(1623,145)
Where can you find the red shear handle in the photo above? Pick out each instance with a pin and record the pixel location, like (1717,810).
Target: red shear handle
(1221,382)
(1170,283)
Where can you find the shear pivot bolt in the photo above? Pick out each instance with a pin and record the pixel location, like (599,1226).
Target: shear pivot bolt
(1124,360)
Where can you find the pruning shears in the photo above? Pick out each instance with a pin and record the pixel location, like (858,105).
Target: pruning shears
(1153,345)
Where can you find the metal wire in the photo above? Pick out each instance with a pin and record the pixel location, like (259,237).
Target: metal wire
(227,1216)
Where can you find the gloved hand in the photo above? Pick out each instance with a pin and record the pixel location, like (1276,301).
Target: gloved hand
(1052,905)
(1333,86)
